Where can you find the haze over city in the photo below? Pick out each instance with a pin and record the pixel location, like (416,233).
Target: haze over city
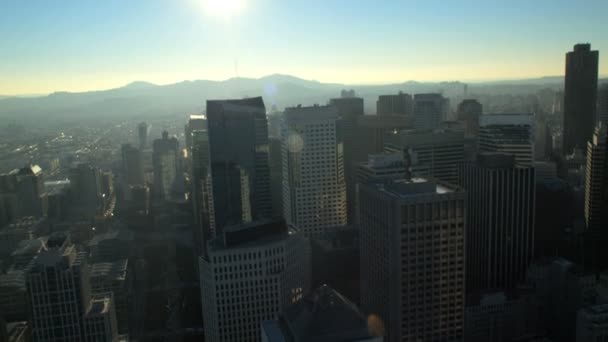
(303,171)
(83,45)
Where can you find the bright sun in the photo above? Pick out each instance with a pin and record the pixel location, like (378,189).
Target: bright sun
(223,8)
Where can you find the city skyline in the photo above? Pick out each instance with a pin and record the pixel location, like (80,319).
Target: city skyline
(88,46)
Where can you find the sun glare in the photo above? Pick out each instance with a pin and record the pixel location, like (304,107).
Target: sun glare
(223,8)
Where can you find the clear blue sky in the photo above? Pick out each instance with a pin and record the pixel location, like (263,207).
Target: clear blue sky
(82,45)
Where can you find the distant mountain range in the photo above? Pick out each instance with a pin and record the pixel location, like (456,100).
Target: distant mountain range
(143,99)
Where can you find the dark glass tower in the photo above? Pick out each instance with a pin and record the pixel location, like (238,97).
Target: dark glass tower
(238,151)
(580,94)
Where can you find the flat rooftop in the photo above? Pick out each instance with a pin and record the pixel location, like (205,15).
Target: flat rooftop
(252,234)
(404,188)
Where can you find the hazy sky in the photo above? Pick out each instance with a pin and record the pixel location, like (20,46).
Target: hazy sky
(79,45)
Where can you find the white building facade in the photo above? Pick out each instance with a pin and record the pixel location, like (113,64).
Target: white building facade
(251,273)
(314,188)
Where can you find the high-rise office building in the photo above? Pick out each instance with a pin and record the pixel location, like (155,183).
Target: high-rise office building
(436,153)
(580,95)
(596,198)
(500,221)
(132,166)
(469,111)
(602,104)
(59,291)
(143,131)
(201,186)
(314,189)
(276,175)
(373,128)
(430,110)
(398,104)
(510,134)
(238,153)
(252,272)
(350,109)
(22,193)
(195,123)
(114,277)
(412,258)
(86,187)
(165,163)
(596,181)
(322,316)
(380,167)
(542,138)
(99,321)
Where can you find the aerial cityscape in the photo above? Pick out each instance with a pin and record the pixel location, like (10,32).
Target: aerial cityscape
(399,206)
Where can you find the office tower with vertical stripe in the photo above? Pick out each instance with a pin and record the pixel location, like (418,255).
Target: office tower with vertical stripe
(596,198)
(500,223)
(349,110)
(314,189)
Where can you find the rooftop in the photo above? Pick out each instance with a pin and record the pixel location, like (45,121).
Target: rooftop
(251,234)
(404,188)
(116,270)
(324,316)
(311,113)
(123,235)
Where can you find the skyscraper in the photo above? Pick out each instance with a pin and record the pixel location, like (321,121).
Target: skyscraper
(500,221)
(59,292)
(195,123)
(436,153)
(86,187)
(99,321)
(22,193)
(314,189)
(143,130)
(165,163)
(510,134)
(238,153)
(132,165)
(596,196)
(201,186)
(580,94)
(412,258)
(399,104)
(350,109)
(469,111)
(252,272)
(602,105)
(430,110)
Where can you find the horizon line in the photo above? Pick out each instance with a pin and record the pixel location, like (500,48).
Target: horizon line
(469,81)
